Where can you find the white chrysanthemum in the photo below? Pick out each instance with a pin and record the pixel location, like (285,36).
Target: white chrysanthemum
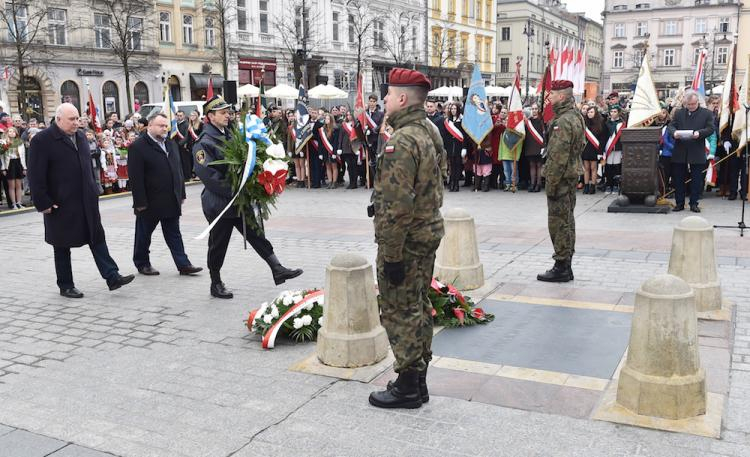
(274,311)
(288,300)
(267,318)
(307,319)
(297,298)
(320,321)
(298,323)
(310,305)
(276,151)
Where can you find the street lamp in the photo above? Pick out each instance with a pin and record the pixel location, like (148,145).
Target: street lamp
(528,30)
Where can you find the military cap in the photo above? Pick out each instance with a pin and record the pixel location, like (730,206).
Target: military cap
(403,77)
(613,94)
(561,84)
(617,107)
(215,103)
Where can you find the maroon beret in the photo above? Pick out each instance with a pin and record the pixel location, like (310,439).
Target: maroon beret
(561,84)
(402,77)
(613,94)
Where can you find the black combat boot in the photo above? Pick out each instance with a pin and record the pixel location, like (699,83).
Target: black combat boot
(468,179)
(561,272)
(423,393)
(404,392)
(486,184)
(279,271)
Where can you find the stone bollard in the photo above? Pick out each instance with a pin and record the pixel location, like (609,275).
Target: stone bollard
(457,258)
(351,335)
(662,376)
(693,259)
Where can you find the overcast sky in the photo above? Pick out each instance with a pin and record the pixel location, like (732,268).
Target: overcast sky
(592,8)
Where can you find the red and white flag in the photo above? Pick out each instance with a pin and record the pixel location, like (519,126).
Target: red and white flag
(94,115)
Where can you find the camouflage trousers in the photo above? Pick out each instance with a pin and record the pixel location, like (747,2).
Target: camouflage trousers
(560,220)
(405,310)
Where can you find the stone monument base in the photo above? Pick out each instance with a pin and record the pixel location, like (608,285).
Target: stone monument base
(615,207)
(312,365)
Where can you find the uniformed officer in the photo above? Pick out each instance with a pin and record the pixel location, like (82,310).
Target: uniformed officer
(407,197)
(565,142)
(216,196)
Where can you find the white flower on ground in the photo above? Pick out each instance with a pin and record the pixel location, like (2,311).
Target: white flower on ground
(274,311)
(298,323)
(288,300)
(320,321)
(310,305)
(306,319)
(267,318)
(276,151)
(297,298)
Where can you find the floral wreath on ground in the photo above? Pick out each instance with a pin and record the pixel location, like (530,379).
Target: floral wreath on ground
(298,315)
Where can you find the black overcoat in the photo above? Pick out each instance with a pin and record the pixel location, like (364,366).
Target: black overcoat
(156,179)
(60,174)
(691,151)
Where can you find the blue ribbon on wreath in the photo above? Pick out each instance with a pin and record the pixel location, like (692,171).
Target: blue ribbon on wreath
(254,129)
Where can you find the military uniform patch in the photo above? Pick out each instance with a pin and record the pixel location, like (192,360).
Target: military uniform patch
(389,149)
(200,157)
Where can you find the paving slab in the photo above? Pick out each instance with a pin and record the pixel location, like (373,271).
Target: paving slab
(20,443)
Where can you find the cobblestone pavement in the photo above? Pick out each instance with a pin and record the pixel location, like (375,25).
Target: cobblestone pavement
(158,368)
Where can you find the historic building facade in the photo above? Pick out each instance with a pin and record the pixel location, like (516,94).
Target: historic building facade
(675,31)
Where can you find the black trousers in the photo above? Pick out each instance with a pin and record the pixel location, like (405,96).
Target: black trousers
(679,175)
(6,190)
(351,168)
(104,262)
(186,159)
(665,165)
(170,227)
(316,170)
(737,176)
(218,242)
(456,167)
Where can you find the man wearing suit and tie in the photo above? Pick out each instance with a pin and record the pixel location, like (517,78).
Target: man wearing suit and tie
(158,188)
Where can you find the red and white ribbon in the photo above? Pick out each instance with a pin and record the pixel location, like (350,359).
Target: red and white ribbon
(386,135)
(453,130)
(534,132)
(349,129)
(269,338)
(370,122)
(326,142)
(711,173)
(613,139)
(593,140)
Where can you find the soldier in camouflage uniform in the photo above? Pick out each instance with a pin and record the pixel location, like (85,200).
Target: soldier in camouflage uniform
(406,201)
(565,143)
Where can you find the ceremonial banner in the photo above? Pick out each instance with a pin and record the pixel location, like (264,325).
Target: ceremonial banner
(94,114)
(698,84)
(645,104)
(547,113)
(171,112)
(303,130)
(516,129)
(729,104)
(477,122)
(739,128)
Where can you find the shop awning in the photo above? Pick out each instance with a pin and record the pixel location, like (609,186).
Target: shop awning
(200,81)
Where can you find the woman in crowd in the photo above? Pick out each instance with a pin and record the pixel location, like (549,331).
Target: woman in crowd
(532,148)
(596,138)
(613,159)
(496,135)
(14,166)
(349,144)
(455,141)
(329,139)
(483,167)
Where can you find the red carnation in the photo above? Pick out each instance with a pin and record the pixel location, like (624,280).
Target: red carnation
(478,313)
(459,313)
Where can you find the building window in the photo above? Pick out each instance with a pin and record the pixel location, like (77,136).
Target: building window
(135,30)
(620,8)
(724,25)
(22,21)
(619,30)
(377,35)
(702,2)
(617,59)
(637,58)
(187,29)
(642,6)
(436,48)
(721,55)
(488,13)
(414,34)
(263,17)
(436,5)
(102,31)
(210,33)
(352,33)
(700,25)
(335,26)
(111,98)
(505,34)
(69,94)
(641,29)
(242,15)
(504,64)
(670,28)
(140,93)
(165,27)
(56,19)
(669,57)
(488,52)
(696,56)
(479,10)
(302,23)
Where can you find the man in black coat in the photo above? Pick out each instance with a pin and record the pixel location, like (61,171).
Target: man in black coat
(62,183)
(217,194)
(690,151)
(155,172)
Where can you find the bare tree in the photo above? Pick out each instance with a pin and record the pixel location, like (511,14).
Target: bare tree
(130,27)
(444,46)
(295,28)
(401,37)
(365,29)
(24,26)
(224,12)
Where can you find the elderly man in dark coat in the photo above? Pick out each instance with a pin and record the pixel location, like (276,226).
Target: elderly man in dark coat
(156,180)
(62,183)
(690,150)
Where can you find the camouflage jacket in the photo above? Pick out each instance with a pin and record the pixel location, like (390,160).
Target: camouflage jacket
(565,142)
(408,191)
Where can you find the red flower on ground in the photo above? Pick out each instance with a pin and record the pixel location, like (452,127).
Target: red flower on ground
(477,313)
(459,313)
(433,312)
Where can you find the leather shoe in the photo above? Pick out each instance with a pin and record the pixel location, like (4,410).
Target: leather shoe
(120,281)
(148,270)
(218,290)
(71,293)
(189,269)
(678,208)
(695,209)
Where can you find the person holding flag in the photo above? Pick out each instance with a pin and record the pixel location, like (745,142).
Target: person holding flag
(613,149)
(565,142)
(217,194)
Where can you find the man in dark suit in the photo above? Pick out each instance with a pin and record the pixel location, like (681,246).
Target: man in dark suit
(690,151)
(155,171)
(64,190)
(186,156)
